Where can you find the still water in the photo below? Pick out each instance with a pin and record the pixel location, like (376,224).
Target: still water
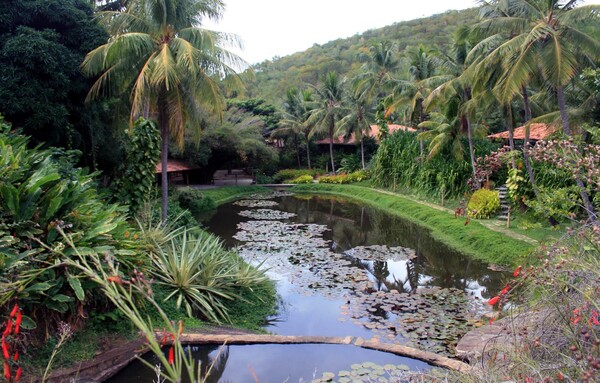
(343,269)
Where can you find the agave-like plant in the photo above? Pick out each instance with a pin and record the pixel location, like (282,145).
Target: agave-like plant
(202,275)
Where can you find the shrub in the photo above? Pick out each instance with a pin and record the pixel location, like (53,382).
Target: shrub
(37,205)
(357,176)
(194,200)
(305,179)
(201,275)
(290,174)
(483,203)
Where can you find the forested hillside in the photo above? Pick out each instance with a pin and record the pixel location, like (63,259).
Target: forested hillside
(344,56)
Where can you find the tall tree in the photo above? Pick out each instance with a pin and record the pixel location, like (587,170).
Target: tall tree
(544,38)
(170,65)
(326,111)
(356,118)
(295,119)
(410,94)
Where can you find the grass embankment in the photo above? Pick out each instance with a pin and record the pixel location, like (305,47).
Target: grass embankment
(473,239)
(229,193)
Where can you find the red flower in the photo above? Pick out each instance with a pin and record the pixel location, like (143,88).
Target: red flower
(6,371)
(171,355)
(16,356)
(560,376)
(18,374)
(8,328)
(494,300)
(505,290)
(5,352)
(14,311)
(517,271)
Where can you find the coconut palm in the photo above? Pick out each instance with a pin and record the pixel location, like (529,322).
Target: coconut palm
(542,37)
(326,112)
(356,118)
(295,115)
(158,53)
(411,93)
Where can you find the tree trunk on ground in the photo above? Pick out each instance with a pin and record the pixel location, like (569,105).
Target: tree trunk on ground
(164,176)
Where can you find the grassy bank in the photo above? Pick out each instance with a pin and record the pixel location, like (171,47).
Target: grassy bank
(229,193)
(473,239)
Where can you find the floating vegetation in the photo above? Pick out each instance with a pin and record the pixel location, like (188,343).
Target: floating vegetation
(369,372)
(266,214)
(255,203)
(381,253)
(431,319)
(271,195)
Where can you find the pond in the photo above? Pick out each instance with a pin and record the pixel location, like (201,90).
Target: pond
(343,269)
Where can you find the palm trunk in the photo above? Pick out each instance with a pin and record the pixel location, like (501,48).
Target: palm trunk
(164,176)
(297,151)
(526,159)
(308,151)
(362,151)
(471,150)
(562,107)
(511,132)
(331,149)
(421,144)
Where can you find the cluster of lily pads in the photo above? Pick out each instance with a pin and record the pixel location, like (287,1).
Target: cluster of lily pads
(255,203)
(266,214)
(369,372)
(429,318)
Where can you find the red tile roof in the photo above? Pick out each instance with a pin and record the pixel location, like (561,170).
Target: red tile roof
(537,131)
(173,166)
(373,133)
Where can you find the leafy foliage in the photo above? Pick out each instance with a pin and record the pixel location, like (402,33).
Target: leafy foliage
(345,178)
(194,200)
(136,177)
(305,179)
(201,275)
(398,161)
(483,203)
(37,201)
(286,174)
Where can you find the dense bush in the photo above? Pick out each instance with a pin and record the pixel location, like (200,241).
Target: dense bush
(194,200)
(305,179)
(201,275)
(357,176)
(40,199)
(289,174)
(398,159)
(483,203)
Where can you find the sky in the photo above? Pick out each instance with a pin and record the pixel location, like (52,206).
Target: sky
(270,28)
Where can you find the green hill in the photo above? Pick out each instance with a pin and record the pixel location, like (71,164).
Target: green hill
(273,78)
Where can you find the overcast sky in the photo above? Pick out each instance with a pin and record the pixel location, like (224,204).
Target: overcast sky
(271,28)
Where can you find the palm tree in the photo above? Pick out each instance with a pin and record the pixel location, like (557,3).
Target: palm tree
(543,37)
(357,118)
(411,93)
(326,112)
(295,115)
(157,52)
(456,91)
